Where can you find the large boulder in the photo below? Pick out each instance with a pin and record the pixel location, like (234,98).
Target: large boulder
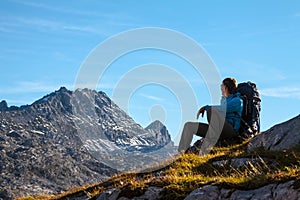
(279,137)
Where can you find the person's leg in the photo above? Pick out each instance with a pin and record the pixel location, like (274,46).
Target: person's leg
(225,128)
(217,127)
(189,129)
(228,131)
(202,129)
(216,123)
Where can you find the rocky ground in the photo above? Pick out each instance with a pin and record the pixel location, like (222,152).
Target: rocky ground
(209,192)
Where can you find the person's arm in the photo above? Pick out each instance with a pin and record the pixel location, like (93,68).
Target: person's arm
(201,111)
(220,108)
(207,107)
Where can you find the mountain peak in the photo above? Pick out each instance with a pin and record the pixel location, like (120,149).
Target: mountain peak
(155,125)
(157,122)
(160,130)
(63,89)
(3,105)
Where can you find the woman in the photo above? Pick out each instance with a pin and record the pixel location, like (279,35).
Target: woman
(219,128)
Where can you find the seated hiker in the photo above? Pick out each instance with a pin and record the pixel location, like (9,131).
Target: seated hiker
(223,124)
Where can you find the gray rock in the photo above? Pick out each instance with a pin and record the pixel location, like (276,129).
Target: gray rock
(241,163)
(13,134)
(221,163)
(286,191)
(279,137)
(272,191)
(110,194)
(225,193)
(151,194)
(258,194)
(207,192)
(247,162)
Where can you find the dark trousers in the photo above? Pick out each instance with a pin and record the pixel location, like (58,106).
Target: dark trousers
(217,128)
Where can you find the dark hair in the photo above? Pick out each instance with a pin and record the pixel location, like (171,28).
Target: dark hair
(231,85)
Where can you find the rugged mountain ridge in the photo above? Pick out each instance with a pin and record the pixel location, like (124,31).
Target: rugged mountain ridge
(72,138)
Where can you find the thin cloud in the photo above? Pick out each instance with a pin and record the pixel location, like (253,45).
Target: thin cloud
(37,22)
(100,87)
(4,29)
(151,97)
(57,9)
(34,4)
(282,92)
(15,24)
(46,25)
(80,28)
(119,19)
(265,32)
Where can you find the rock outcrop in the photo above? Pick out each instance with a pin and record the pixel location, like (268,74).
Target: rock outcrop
(279,137)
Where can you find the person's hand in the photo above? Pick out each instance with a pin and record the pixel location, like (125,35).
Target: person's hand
(201,111)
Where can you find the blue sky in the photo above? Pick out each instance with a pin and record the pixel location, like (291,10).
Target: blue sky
(44,43)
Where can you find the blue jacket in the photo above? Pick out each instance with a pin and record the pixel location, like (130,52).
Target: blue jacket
(234,108)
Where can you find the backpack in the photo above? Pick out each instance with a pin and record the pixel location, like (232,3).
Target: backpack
(250,119)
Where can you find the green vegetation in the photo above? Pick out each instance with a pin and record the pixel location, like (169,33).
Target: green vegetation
(190,171)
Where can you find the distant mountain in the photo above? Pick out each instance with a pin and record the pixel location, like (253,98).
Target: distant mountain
(159,132)
(73,138)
